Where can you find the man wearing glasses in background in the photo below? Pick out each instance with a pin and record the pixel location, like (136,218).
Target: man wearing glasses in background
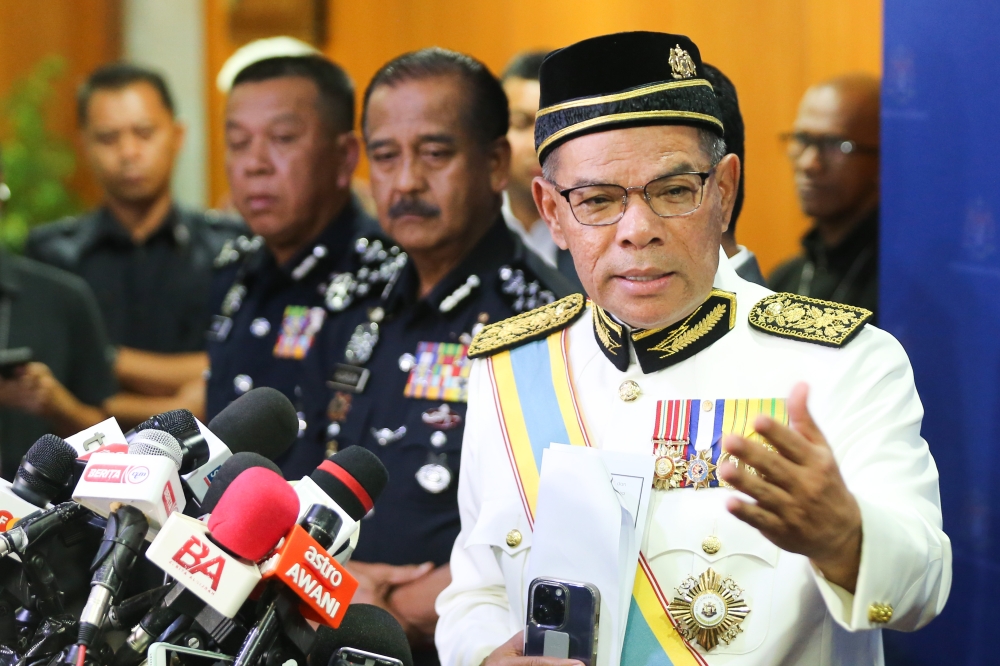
(834,150)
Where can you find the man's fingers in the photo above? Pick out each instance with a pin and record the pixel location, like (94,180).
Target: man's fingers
(798,414)
(768,495)
(779,470)
(791,444)
(754,516)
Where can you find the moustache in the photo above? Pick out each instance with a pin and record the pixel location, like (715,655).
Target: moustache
(413,207)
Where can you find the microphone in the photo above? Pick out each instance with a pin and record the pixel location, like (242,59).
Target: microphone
(145,478)
(231,469)
(38,526)
(261,421)
(125,615)
(368,635)
(182,424)
(209,562)
(323,587)
(349,482)
(44,477)
(123,537)
(45,472)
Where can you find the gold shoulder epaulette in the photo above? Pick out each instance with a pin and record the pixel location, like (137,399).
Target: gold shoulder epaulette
(810,319)
(527,326)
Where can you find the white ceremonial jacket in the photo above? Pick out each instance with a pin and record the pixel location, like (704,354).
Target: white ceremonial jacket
(864,400)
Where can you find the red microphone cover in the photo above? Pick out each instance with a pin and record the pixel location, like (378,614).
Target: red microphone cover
(257,509)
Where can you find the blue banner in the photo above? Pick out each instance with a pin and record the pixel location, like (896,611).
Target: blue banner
(940,288)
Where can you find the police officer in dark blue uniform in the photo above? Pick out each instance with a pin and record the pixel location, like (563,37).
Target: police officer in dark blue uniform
(435,131)
(290,154)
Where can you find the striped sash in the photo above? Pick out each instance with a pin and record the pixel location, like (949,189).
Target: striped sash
(536,404)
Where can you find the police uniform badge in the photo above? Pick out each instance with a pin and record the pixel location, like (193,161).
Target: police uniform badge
(441,372)
(299,326)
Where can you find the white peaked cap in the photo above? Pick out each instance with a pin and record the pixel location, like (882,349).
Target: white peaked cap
(261,49)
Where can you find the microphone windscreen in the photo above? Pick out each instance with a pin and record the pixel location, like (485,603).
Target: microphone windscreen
(257,509)
(364,627)
(178,422)
(261,420)
(232,468)
(46,471)
(53,457)
(157,443)
(353,478)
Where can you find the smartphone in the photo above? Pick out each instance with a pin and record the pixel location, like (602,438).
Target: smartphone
(562,620)
(346,656)
(167,654)
(12,359)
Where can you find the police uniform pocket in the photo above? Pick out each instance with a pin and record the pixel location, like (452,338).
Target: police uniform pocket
(505,528)
(695,547)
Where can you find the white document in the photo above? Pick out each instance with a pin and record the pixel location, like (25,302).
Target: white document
(632,480)
(590,503)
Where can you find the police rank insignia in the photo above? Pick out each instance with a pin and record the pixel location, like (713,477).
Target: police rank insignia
(802,318)
(441,372)
(681,64)
(687,438)
(299,326)
(528,326)
(709,609)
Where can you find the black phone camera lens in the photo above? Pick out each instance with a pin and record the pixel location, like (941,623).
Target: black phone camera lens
(549,608)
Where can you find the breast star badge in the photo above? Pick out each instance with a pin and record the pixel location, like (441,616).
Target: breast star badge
(708,609)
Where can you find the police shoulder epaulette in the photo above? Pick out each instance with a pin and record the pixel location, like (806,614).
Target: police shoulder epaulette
(802,318)
(527,326)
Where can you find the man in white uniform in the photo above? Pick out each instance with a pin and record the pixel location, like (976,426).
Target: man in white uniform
(795,510)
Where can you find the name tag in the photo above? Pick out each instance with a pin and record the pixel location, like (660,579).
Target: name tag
(348,378)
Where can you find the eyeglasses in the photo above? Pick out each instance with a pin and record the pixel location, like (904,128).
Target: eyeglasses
(828,146)
(670,196)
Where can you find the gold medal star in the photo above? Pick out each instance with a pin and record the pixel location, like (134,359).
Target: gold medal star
(700,471)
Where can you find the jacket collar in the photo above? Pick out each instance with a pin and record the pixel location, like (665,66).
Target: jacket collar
(659,348)
(494,249)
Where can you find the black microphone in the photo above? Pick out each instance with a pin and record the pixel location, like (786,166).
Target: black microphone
(46,472)
(182,425)
(38,526)
(321,523)
(262,420)
(231,469)
(123,538)
(367,635)
(125,614)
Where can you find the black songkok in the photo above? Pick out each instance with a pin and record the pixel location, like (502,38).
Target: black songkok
(628,79)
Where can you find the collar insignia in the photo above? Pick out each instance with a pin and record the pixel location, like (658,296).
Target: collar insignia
(660,348)
(810,319)
(525,327)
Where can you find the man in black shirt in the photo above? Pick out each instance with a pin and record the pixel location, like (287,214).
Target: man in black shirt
(435,125)
(63,389)
(148,261)
(834,148)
